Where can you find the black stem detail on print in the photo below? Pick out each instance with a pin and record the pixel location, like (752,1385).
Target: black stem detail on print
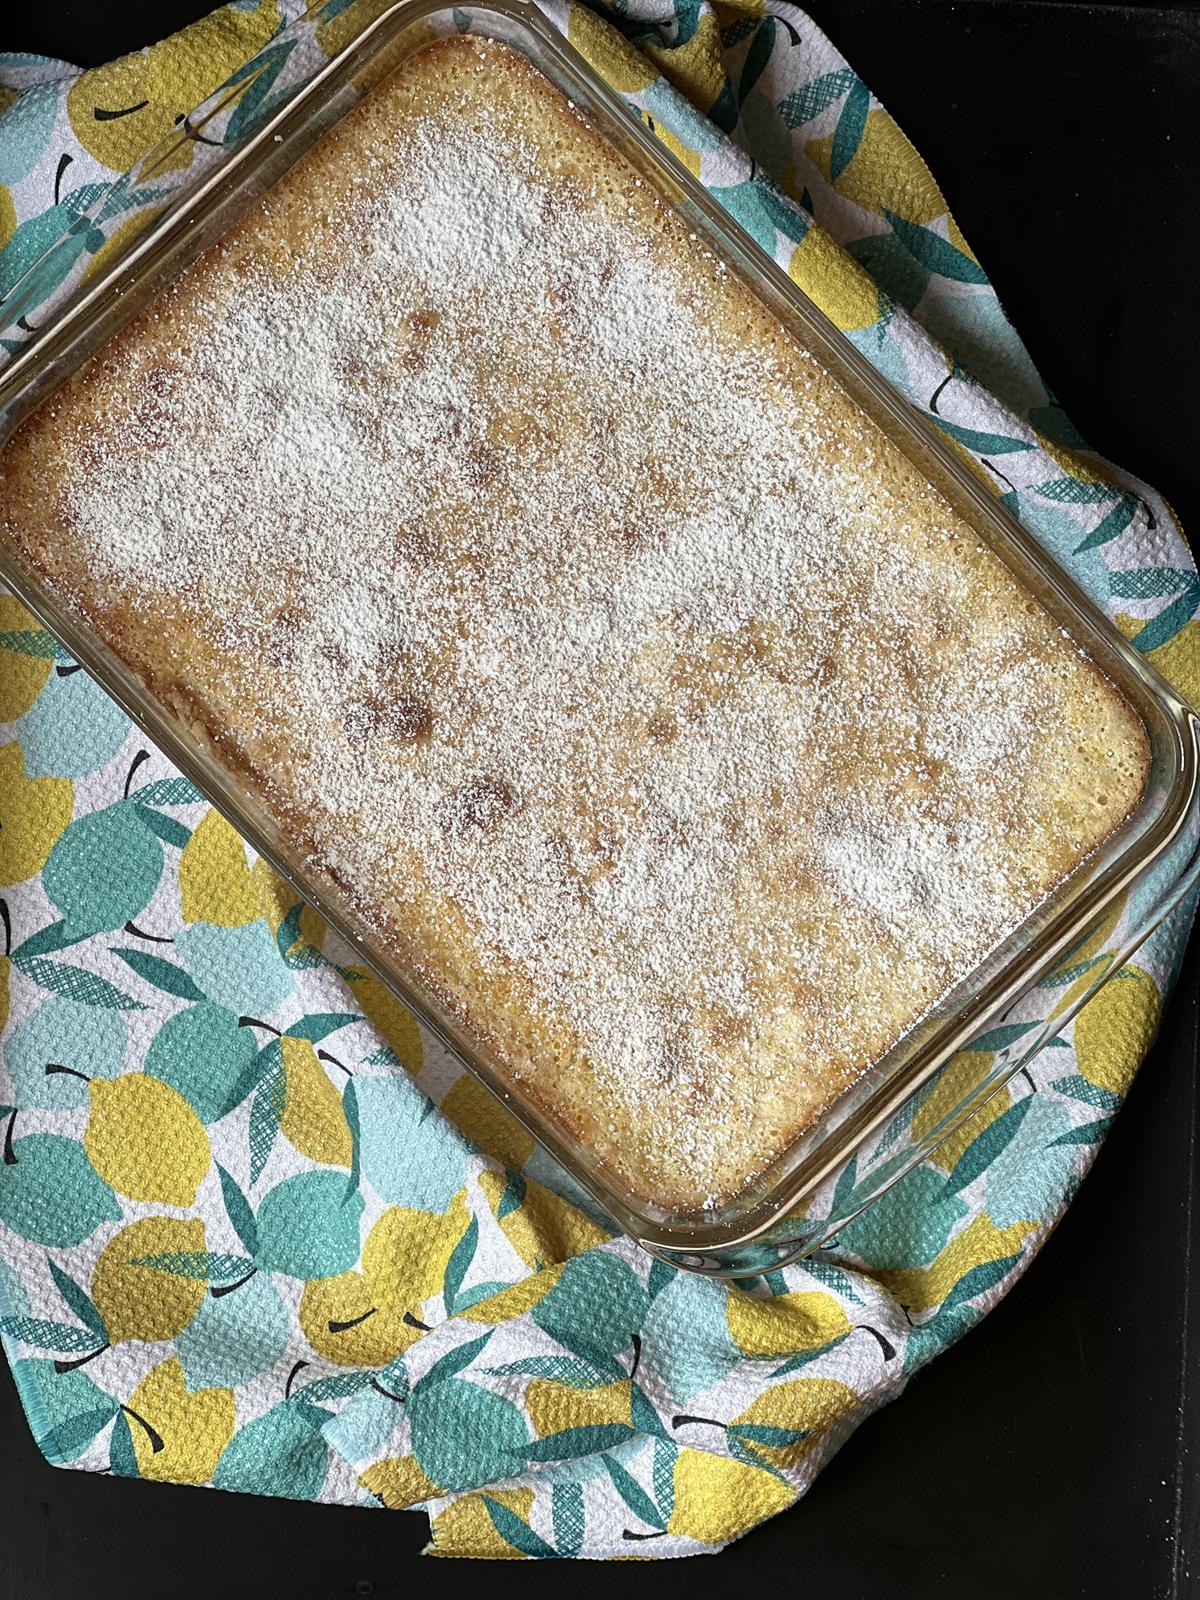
(194,134)
(64,669)
(628,1533)
(753,170)
(1151,519)
(323,1055)
(253,1022)
(1028,1076)
(636,1342)
(291,1378)
(651,124)
(885,1345)
(415,1322)
(995,471)
(341,1327)
(157,1442)
(102,114)
(74,1366)
(7,920)
(138,760)
(64,161)
(53,1069)
(791,32)
(937,393)
(10,1155)
(386,1393)
(228,1288)
(682,1421)
(131,927)
(29,327)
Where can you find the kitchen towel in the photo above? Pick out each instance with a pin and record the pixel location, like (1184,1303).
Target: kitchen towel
(256,1229)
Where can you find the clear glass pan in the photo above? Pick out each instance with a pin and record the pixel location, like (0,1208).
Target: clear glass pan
(243,138)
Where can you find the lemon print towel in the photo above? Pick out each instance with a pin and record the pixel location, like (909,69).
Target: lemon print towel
(256,1231)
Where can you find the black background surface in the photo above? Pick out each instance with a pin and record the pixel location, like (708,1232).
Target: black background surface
(1053,1453)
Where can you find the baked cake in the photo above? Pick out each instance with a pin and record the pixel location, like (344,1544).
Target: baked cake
(657,717)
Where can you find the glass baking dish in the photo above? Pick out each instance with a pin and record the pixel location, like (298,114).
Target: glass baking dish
(993,1022)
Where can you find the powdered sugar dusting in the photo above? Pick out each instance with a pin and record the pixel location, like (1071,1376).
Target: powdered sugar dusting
(592,634)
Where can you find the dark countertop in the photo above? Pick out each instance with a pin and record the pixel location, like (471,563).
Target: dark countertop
(1050,1454)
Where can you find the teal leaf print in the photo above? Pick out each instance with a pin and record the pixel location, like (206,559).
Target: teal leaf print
(308,1226)
(79,1302)
(86,988)
(935,253)
(645,1418)
(122,1458)
(266,1112)
(982,444)
(454,1361)
(1170,621)
(513,1196)
(997,1039)
(350,1112)
(169,792)
(660,1276)
(987,1146)
(163,827)
(665,1454)
(459,1265)
(464,1436)
(321,1024)
(568,1370)
(31,642)
(46,1335)
(1074,491)
(103,869)
(979,1280)
(161,974)
(237,1208)
(51,1194)
(281,1453)
(205,1056)
(1088,1133)
(1091,1094)
(567,1514)
(47,941)
(339,1386)
(757,58)
(517,1531)
(209,1266)
(632,1493)
(848,134)
(71,1409)
(1112,526)
(815,97)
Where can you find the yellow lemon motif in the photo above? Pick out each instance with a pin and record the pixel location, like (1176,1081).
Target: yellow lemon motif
(358,1319)
(392,1019)
(33,812)
(697,66)
(476,1112)
(961,1074)
(144,1139)
(844,291)
(717,1498)
(276,898)
(22,677)
(398,1482)
(313,1119)
(803,1405)
(465,1528)
(1178,660)
(1116,1028)
(555,1407)
(5,968)
(214,878)
(178,1436)
(138,1302)
(921,1288)
(885,170)
(786,1324)
(515,1301)
(543,1228)
(613,57)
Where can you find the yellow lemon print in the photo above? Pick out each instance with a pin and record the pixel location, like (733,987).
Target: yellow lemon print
(785,1325)
(392,1019)
(555,1407)
(144,1139)
(139,1302)
(805,1407)
(214,879)
(367,1317)
(476,1112)
(33,812)
(178,1436)
(313,1119)
(22,677)
(543,1228)
(1116,1028)
(717,1498)
(465,1527)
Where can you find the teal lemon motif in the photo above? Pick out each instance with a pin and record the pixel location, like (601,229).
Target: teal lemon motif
(50,1193)
(71,1409)
(909,1226)
(206,1057)
(464,1435)
(72,728)
(234,1336)
(411,1156)
(91,1040)
(308,1225)
(104,870)
(597,1305)
(280,1453)
(236,967)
